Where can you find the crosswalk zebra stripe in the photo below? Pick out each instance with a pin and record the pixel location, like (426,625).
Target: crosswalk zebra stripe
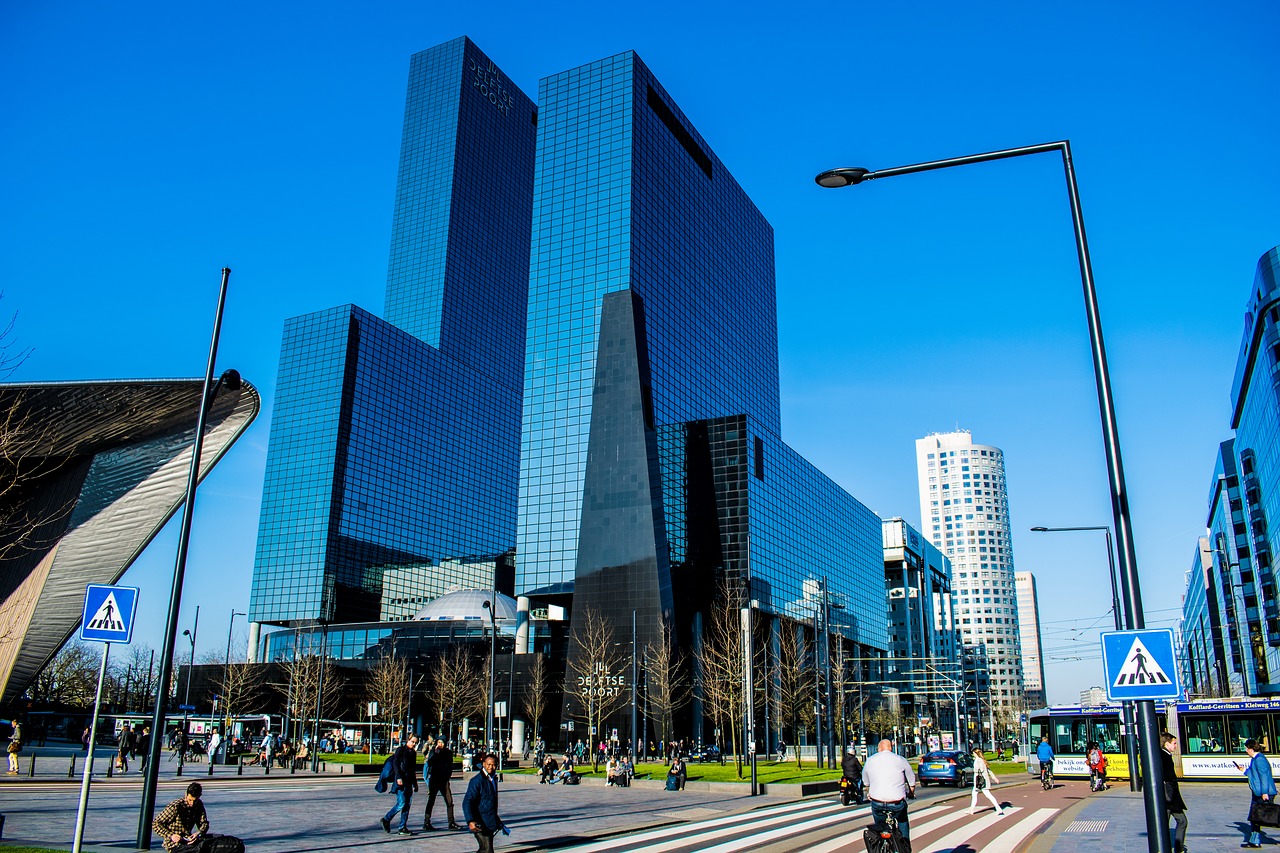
(1016,834)
(949,842)
(836,843)
(683,829)
(839,843)
(799,829)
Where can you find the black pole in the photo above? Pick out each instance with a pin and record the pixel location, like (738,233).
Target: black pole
(1157,813)
(147,810)
(315,732)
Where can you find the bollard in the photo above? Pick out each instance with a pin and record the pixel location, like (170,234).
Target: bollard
(211,765)
(71,774)
(111,765)
(240,767)
(1,826)
(31,768)
(293,766)
(266,766)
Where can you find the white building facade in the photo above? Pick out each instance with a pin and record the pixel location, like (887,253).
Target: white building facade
(964,510)
(1029,636)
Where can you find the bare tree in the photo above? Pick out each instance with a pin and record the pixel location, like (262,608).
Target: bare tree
(241,687)
(723,669)
(666,674)
(305,685)
(11,355)
(535,693)
(456,686)
(595,681)
(388,685)
(71,677)
(795,681)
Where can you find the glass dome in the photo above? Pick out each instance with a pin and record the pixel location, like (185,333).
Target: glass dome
(467,605)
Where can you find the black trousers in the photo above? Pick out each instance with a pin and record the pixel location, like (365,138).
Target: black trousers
(443,790)
(485,839)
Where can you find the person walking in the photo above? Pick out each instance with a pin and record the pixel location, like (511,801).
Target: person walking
(123,747)
(983,779)
(1172,796)
(480,805)
(15,746)
(405,763)
(143,746)
(890,783)
(1262,787)
(439,771)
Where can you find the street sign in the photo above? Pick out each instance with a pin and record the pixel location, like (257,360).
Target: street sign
(186,707)
(108,613)
(1140,665)
(500,709)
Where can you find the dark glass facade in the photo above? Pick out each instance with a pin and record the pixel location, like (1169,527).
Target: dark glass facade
(651,465)
(394,443)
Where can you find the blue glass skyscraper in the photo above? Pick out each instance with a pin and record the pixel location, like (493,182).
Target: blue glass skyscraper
(394,443)
(652,469)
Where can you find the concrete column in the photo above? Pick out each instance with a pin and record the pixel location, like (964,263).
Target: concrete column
(255,633)
(523,634)
(517,736)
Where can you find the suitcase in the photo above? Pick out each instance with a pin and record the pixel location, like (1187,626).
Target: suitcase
(879,838)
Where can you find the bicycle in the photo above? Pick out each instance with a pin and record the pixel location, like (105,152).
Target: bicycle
(1046,775)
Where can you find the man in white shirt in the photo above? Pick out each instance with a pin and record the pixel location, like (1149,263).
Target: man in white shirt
(215,744)
(890,782)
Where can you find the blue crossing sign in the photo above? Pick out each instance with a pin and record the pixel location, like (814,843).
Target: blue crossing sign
(1140,665)
(108,613)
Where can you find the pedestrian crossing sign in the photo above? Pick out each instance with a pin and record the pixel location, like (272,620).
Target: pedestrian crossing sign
(1140,665)
(108,613)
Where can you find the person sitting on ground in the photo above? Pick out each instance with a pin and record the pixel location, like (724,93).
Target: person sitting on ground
(679,771)
(183,822)
(611,772)
(565,771)
(303,754)
(548,770)
(628,770)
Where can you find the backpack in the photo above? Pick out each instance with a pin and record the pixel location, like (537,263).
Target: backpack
(387,778)
(221,844)
(572,779)
(1097,760)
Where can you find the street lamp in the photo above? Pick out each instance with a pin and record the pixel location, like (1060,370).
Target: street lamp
(226,670)
(493,656)
(1132,739)
(1157,813)
(186,696)
(209,390)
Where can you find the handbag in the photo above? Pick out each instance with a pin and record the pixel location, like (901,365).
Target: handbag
(980,781)
(1265,814)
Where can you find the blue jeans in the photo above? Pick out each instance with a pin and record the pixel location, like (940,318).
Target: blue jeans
(880,810)
(403,795)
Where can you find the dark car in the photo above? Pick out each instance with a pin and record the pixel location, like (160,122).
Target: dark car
(948,767)
(708,754)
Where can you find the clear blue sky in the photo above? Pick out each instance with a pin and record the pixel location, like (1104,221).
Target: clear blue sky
(145,146)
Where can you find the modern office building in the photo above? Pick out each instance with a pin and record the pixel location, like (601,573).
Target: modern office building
(395,442)
(1030,638)
(917,580)
(91,472)
(1093,697)
(1203,659)
(652,468)
(964,509)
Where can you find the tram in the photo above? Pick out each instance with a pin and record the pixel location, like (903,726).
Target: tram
(1211,734)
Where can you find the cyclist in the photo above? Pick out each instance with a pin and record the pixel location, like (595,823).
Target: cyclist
(1044,752)
(890,783)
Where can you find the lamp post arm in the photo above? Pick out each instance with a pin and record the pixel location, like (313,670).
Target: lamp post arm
(969,159)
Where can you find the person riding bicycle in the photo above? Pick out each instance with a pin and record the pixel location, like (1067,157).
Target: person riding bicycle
(1044,752)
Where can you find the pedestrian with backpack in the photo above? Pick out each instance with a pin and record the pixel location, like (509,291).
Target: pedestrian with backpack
(404,765)
(983,779)
(1097,762)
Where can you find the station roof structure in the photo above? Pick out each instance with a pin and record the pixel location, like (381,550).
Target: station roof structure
(89,474)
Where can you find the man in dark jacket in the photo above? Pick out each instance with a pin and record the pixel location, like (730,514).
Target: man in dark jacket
(1172,796)
(439,769)
(480,805)
(405,762)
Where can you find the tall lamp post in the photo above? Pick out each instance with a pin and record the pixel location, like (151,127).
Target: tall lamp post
(1131,738)
(226,672)
(493,657)
(1157,814)
(231,379)
(186,694)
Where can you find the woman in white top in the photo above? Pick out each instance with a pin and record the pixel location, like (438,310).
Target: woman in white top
(983,779)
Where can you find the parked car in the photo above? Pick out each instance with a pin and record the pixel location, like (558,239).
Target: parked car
(707,753)
(946,767)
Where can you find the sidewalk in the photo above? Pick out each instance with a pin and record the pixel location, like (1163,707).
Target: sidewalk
(1114,822)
